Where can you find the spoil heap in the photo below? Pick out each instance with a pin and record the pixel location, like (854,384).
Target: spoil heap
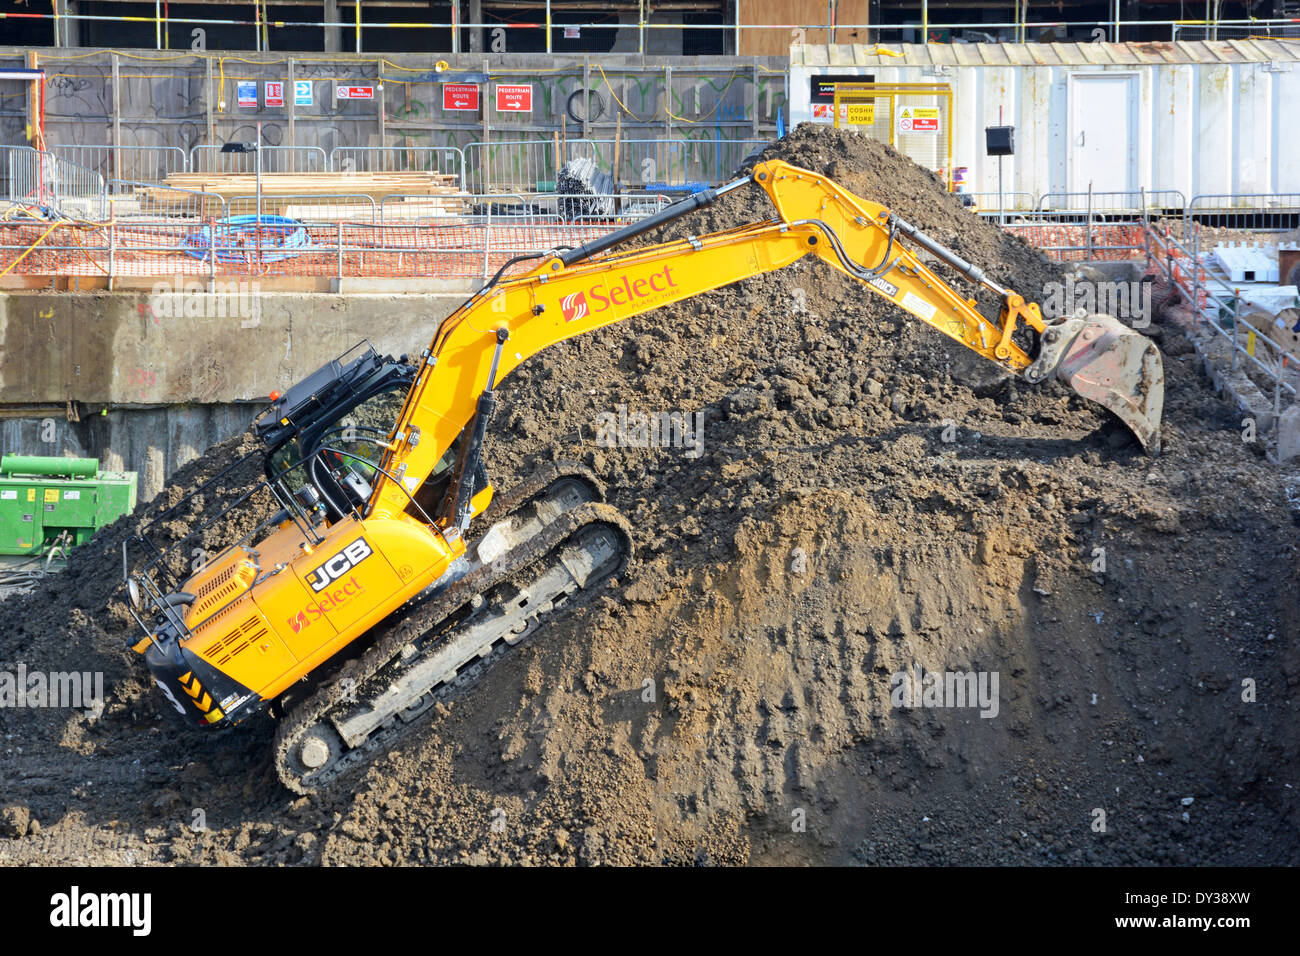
(821,537)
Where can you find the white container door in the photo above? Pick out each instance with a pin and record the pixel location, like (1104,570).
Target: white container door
(1103,132)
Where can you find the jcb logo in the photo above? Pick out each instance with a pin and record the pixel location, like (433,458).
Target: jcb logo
(339,565)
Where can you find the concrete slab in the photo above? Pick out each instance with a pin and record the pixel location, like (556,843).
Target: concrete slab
(1288,434)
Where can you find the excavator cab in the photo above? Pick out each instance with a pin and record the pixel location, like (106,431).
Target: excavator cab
(330,430)
(330,436)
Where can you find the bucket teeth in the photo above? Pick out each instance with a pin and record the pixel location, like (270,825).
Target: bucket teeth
(1108,363)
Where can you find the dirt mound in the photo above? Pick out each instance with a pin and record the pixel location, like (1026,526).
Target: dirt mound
(864,498)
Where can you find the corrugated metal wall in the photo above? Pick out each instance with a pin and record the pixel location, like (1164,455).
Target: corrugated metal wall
(151,441)
(1201,127)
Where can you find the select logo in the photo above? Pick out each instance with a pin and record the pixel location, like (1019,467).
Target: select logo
(574,306)
(339,565)
(619,291)
(330,600)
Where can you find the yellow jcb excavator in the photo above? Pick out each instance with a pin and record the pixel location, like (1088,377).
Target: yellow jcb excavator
(392,574)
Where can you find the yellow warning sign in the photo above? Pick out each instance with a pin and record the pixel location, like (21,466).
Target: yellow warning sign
(51,494)
(918,119)
(860,114)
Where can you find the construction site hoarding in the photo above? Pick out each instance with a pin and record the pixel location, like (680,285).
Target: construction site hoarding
(1195,117)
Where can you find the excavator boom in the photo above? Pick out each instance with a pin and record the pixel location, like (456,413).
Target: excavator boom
(583,289)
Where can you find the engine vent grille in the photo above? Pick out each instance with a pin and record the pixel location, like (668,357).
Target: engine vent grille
(226,585)
(236,641)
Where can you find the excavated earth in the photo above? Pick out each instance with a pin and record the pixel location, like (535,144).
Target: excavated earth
(729,701)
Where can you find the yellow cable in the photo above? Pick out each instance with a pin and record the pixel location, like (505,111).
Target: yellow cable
(615,96)
(53,226)
(667,111)
(716,105)
(121,53)
(100,76)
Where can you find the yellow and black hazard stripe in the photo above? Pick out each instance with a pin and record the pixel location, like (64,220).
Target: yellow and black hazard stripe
(201,698)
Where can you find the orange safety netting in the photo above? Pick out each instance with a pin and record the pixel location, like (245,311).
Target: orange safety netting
(452,249)
(455,248)
(1077,242)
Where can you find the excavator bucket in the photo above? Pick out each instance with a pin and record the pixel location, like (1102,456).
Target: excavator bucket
(1105,361)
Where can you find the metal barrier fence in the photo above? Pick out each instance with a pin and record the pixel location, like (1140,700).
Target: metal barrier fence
(63,25)
(642,161)
(656,163)
(308,207)
(78,191)
(520,165)
(128,199)
(273,159)
(1113,202)
(991,205)
(1269,30)
(136,163)
(471,247)
(620,208)
(1245,212)
(393,159)
(1065,239)
(458,228)
(399,208)
(29,175)
(532,165)
(1076,226)
(528,166)
(40,178)
(1255,350)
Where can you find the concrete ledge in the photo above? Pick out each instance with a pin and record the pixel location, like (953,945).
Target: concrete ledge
(1215,354)
(423,285)
(142,348)
(458,289)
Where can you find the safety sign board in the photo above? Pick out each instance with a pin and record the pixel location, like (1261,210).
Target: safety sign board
(514,99)
(354,93)
(855,114)
(918,119)
(274,93)
(302,92)
(460,96)
(246,92)
(860,114)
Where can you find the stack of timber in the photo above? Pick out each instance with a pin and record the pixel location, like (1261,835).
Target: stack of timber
(316,196)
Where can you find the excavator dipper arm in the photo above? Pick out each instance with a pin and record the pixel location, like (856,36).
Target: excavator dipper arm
(580,290)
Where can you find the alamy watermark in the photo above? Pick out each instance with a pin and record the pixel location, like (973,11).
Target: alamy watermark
(75,909)
(623,429)
(76,690)
(921,688)
(1130,301)
(200,299)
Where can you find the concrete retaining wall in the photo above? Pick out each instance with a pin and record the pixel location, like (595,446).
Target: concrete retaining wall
(182,347)
(156,379)
(151,441)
